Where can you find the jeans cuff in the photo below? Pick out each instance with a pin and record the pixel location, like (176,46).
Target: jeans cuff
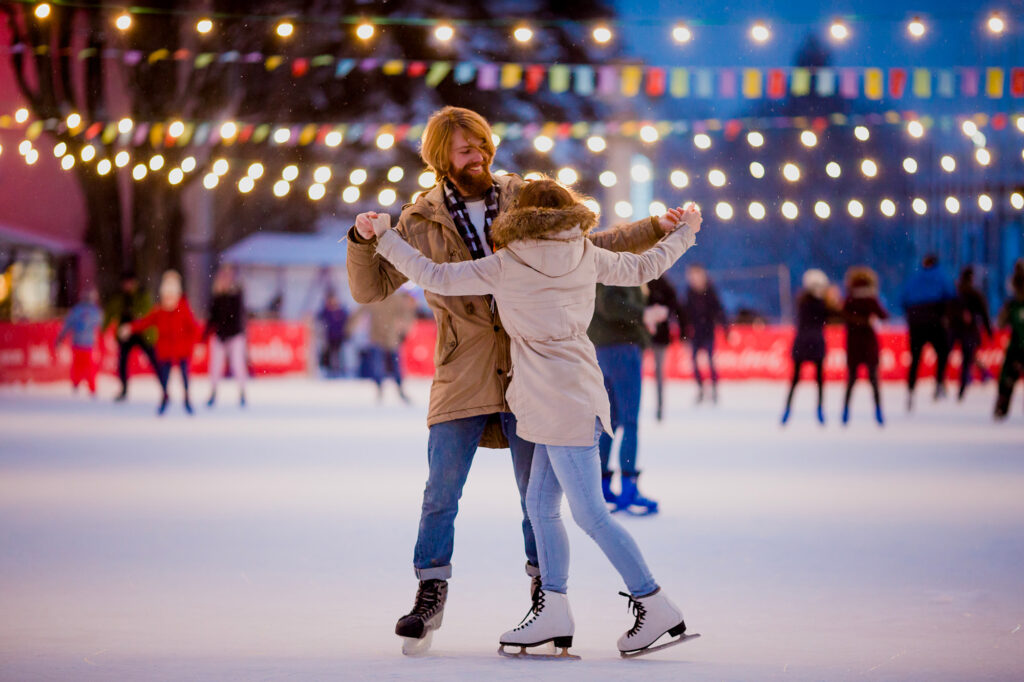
(531,570)
(434,573)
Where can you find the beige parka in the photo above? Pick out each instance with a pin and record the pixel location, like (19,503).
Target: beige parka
(543,281)
(472,353)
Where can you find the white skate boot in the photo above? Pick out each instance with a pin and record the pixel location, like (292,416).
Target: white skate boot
(655,615)
(548,620)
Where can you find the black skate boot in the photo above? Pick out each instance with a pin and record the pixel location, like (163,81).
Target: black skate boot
(417,627)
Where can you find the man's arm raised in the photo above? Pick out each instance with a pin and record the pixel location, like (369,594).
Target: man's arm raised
(639,236)
(370,277)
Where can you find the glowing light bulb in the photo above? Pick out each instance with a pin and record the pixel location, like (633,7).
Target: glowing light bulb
(73,121)
(996,23)
(915,129)
(385,141)
(623,209)
(757,169)
(427,179)
(985,203)
(88,153)
(649,134)
(822,210)
(285,29)
(608,178)
(123,21)
(888,208)
(281,188)
(948,163)
(1017,200)
(920,206)
(602,34)
(755,139)
(31,156)
(386,197)
(679,179)
(716,178)
(121,159)
(596,144)
(210,180)
(523,34)
(282,135)
(543,144)
(395,174)
(723,210)
(756,210)
(220,167)
(983,156)
(21,115)
(139,171)
(357,176)
(246,184)
(640,173)
(59,149)
(568,176)
(228,130)
(657,208)
(702,141)
(839,31)
(290,172)
(255,171)
(156,163)
(760,32)
(350,195)
(916,28)
(681,33)
(333,138)
(175,176)
(365,31)
(791,172)
(869,168)
(855,208)
(204,26)
(808,138)
(103,167)
(910,165)
(316,191)
(42,10)
(953,205)
(444,33)
(789,210)
(862,133)
(67,163)
(323,174)
(188,164)
(125,125)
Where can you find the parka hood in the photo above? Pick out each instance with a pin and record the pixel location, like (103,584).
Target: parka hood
(549,240)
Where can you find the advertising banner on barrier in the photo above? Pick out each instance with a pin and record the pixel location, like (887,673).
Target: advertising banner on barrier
(762,352)
(27,351)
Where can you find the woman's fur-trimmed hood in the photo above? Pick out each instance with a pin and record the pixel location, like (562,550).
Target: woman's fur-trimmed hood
(518,224)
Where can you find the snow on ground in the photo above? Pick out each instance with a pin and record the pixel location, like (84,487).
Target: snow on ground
(275,542)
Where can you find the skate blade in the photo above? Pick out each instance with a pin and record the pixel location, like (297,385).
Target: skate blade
(417,647)
(564,655)
(652,649)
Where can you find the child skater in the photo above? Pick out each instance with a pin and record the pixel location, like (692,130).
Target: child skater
(82,323)
(860,310)
(1011,315)
(813,310)
(543,278)
(177,332)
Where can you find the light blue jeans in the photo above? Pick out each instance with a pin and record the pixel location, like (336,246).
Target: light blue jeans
(576,470)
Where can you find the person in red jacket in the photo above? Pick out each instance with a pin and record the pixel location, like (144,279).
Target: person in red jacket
(177,332)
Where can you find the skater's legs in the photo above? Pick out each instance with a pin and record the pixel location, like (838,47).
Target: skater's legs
(606,360)
(576,468)
(1013,366)
(873,378)
(659,374)
(792,384)
(939,338)
(377,364)
(450,450)
(183,368)
(851,379)
(522,463)
(163,372)
(218,357)
(236,355)
(709,348)
(819,377)
(969,348)
(124,349)
(917,340)
(621,367)
(544,503)
(694,347)
(394,366)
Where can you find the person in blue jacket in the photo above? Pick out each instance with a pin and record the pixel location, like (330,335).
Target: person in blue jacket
(82,324)
(926,300)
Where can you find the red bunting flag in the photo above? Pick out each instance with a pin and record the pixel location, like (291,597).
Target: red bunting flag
(655,86)
(1017,82)
(897,82)
(300,67)
(776,83)
(534,77)
(416,69)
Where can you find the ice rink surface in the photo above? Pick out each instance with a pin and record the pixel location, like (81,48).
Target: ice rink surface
(275,542)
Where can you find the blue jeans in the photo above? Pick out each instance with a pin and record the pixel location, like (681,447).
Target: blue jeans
(621,368)
(574,470)
(450,451)
(708,345)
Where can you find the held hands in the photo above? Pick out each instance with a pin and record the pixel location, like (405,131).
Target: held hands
(381,224)
(364,224)
(675,217)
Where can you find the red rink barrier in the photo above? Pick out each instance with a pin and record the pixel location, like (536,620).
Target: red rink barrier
(763,352)
(277,347)
(27,351)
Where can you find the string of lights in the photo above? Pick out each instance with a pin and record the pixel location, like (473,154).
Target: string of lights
(837,29)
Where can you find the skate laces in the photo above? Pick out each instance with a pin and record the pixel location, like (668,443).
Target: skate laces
(427,598)
(638,610)
(535,608)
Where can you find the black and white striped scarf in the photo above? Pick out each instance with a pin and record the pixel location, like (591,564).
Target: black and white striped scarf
(456,206)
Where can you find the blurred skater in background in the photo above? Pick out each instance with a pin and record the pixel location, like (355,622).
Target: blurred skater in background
(82,324)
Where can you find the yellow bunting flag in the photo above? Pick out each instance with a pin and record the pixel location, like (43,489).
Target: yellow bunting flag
(922,85)
(109,133)
(272,62)
(437,72)
(558,77)
(34,130)
(873,83)
(801,82)
(261,133)
(994,80)
(157,55)
(511,74)
(393,67)
(679,83)
(580,130)
(753,84)
(186,136)
(156,134)
(308,134)
(632,76)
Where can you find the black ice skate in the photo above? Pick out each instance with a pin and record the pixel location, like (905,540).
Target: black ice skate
(416,628)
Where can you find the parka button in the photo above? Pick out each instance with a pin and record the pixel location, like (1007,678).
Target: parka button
(497,328)
(501,371)
(469,308)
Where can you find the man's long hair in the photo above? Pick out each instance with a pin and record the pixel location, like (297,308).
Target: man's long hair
(436,143)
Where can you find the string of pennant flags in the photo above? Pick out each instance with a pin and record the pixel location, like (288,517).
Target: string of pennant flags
(178,133)
(628,80)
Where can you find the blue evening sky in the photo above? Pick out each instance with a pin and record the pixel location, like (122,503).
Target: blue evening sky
(957,35)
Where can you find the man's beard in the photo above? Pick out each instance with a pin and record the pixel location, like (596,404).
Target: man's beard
(472,184)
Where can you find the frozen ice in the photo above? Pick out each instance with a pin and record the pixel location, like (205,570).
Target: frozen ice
(275,542)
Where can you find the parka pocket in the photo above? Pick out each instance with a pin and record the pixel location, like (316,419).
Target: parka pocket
(447,341)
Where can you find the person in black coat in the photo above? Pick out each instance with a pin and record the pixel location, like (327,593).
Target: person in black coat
(225,327)
(704,313)
(662,306)
(860,309)
(813,311)
(968,316)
